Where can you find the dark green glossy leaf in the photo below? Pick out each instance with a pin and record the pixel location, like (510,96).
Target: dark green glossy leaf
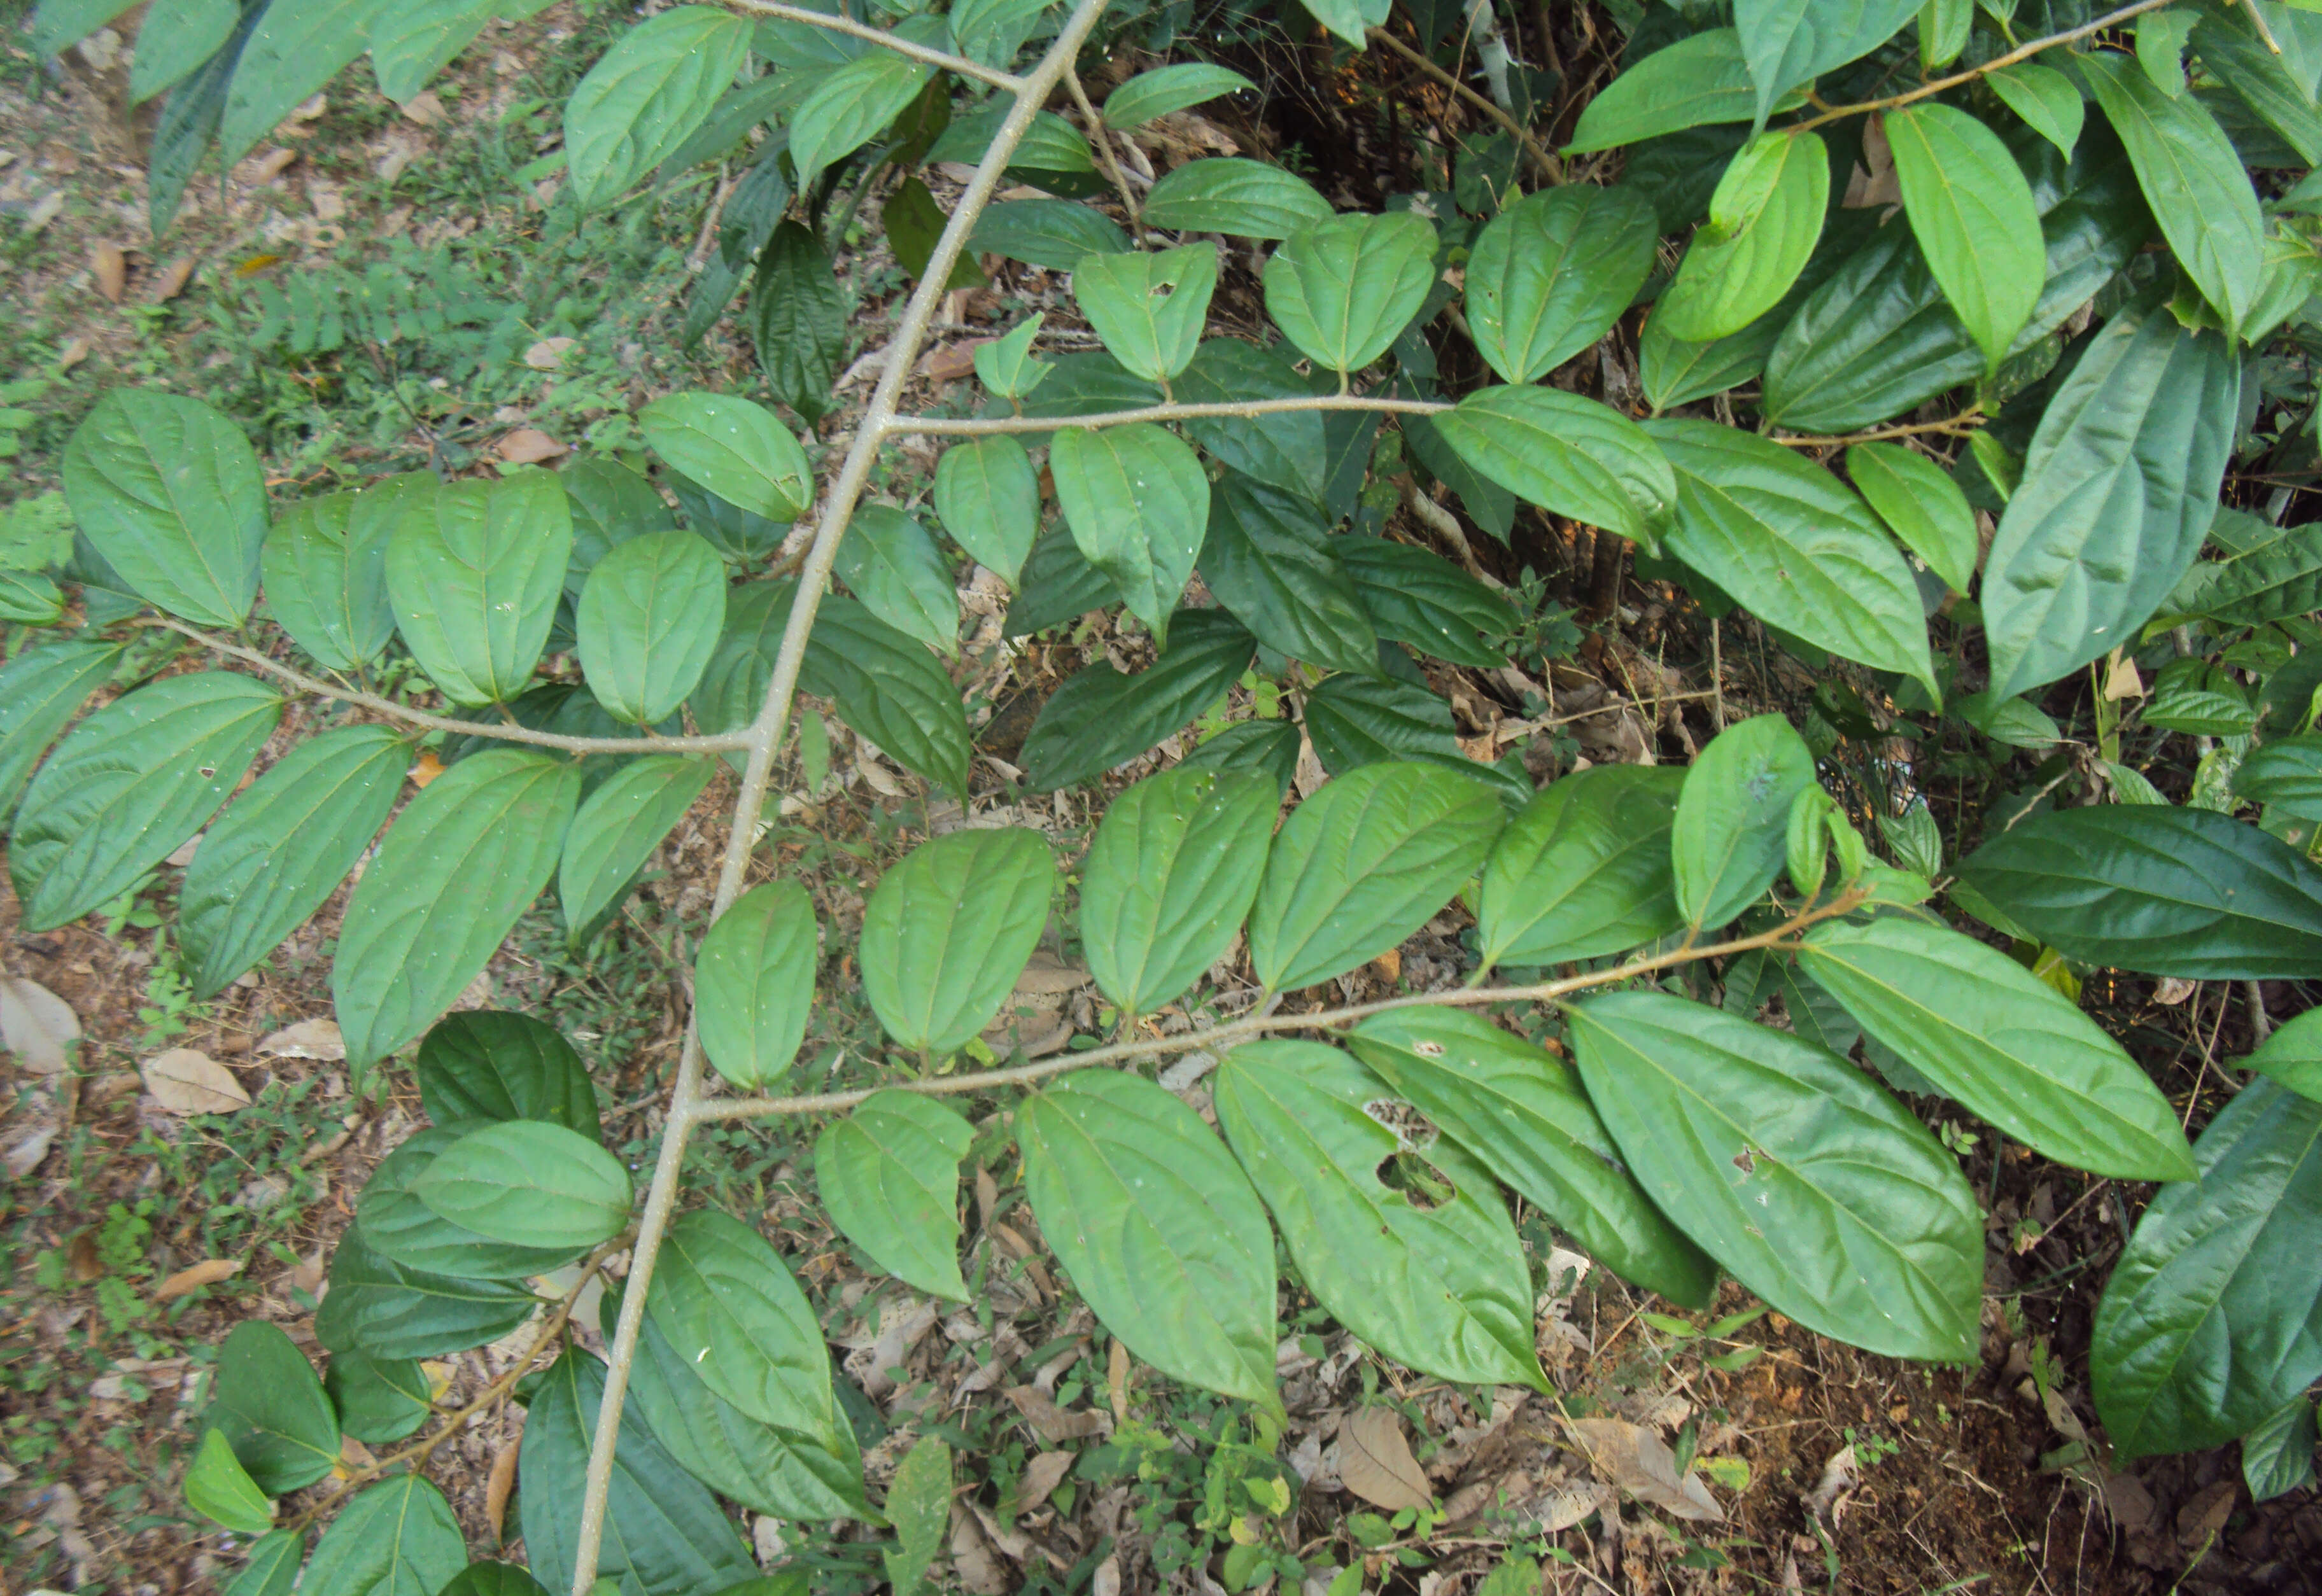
(40,689)
(1423,599)
(617,829)
(1060,585)
(273,1566)
(266,1399)
(1101,718)
(1284,448)
(1057,235)
(948,930)
(1245,199)
(1360,720)
(1552,273)
(1267,747)
(399,1537)
(482,1064)
(1269,558)
(169,492)
(798,319)
(378,1399)
(609,505)
(889,1173)
(1584,869)
(2278,1457)
(377,1307)
(753,983)
(1730,838)
(1172,873)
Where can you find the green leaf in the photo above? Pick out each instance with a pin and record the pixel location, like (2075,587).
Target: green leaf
(326,568)
(1364,864)
(753,983)
(529,1182)
(1149,306)
(1972,213)
(664,1534)
(609,505)
(849,107)
(2292,1055)
(988,497)
(1137,501)
(411,42)
(2278,1457)
(1101,718)
(1423,599)
(187,125)
(1789,43)
(1584,869)
(1166,883)
(648,94)
(377,1307)
(40,689)
(1523,1114)
(299,46)
(2119,488)
(30,599)
(493,1579)
(2283,578)
(2045,99)
(1054,233)
(1793,544)
(128,785)
(1284,448)
(888,1175)
(1551,274)
(378,1399)
(991,32)
(486,1064)
(169,492)
(1693,82)
(918,1501)
(798,319)
(891,563)
(1007,367)
(1267,748)
(2191,176)
(1341,290)
(1157,91)
(1269,558)
(465,858)
(2274,77)
(1730,838)
(737,450)
(1050,144)
(2159,890)
(399,1537)
(948,930)
(273,1566)
(617,829)
(283,847)
(176,37)
(1921,504)
(1360,720)
(1161,1232)
(474,569)
(1090,383)
(2004,1044)
(1763,222)
(221,1490)
(59,24)
(1788,1166)
(1244,199)
(1060,585)
(1441,1286)
(2212,1321)
(730,1308)
(1566,454)
(914,224)
(265,1399)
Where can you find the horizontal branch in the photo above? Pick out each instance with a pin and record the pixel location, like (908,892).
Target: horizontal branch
(880,36)
(1223,410)
(1221,1037)
(2022,52)
(1950,426)
(437,722)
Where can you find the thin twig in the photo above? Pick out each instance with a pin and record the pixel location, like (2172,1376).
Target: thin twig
(1102,143)
(1231,409)
(1961,426)
(2263,31)
(1550,168)
(505,732)
(902,47)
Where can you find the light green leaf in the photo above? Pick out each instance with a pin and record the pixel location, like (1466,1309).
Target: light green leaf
(1788,1166)
(948,930)
(59,24)
(1160,1230)
(530,1182)
(617,829)
(30,599)
(378,1399)
(888,560)
(1972,213)
(169,492)
(1693,82)
(1565,454)
(397,1223)
(1921,504)
(1791,42)
(737,450)
(1158,90)
(474,569)
(1551,274)
(2045,99)
(176,37)
(298,46)
(1763,222)
(40,689)
(753,983)
(1730,838)
(325,566)
(1269,558)
(2292,1055)
(221,1490)
(482,1064)
(1149,306)
(918,1502)
(730,1308)
(1341,290)
(1244,199)
(266,1400)
(1347,19)
(1007,367)
(273,1566)
(992,31)
(413,41)
(850,106)
(988,497)
(1173,870)
(1137,502)
(888,1175)
(1944,28)
(1101,718)
(609,505)
(1584,869)
(1050,144)
(399,1537)
(647,94)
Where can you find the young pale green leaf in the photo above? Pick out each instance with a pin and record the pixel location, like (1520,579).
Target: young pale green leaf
(2045,99)
(1101,718)
(1764,221)
(1269,558)
(282,848)
(2199,193)
(2119,488)
(413,42)
(1972,213)
(889,1173)
(731,1310)
(1944,28)
(264,1396)
(1730,838)
(1362,864)
(1160,1230)
(1551,274)
(1524,1114)
(379,1307)
(2004,1044)
(1790,542)
(326,566)
(648,94)
(397,1223)
(1007,367)
(2292,1055)
(617,829)
(889,561)
(169,492)
(1266,748)
(298,46)
(482,1064)
(1158,90)
(919,1506)
(988,497)
(737,450)
(221,1490)
(1138,501)
(378,1399)
(1054,233)
(399,1537)
(474,569)
(753,983)
(1695,82)
(463,860)
(128,785)
(1244,199)
(1169,878)
(850,106)
(1584,869)
(1149,306)
(1792,1169)
(530,1182)
(2212,1321)
(1441,1286)
(1788,43)
(1423,599)
(1341,290)
(40,689)
(1921,504)
(1565,454)
(948,930)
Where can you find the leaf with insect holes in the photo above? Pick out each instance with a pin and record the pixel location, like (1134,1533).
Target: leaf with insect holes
(1149,308)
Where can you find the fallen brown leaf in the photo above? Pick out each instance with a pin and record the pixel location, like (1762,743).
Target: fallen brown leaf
(1047,976)
(195,1276)
(173,280)
(2200,1519)
(308,1039)
(548,354)
(425,768)
(184,1081)
(74,354)
(425,108)
(1116,1380)
(499,1484)
(1042,1475)
(25,1152)
(272,165)
(111,268)
(1375,1462)
(1642,1463)
(1051,1423)
(528,446)
(35,1023)
(951,361)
